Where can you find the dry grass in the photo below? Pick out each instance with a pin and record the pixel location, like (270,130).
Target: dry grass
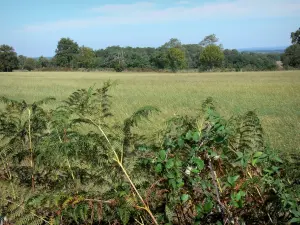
(274,95)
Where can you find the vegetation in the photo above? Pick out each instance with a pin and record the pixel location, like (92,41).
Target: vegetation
(75,164)
(274,95)
(171,56)
(291,56)
(8,58)
(212,56)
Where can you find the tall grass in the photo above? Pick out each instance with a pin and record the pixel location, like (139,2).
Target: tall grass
(274,95)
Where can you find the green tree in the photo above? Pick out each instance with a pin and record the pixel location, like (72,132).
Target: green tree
(86,57)
(30,64)
(176,58)
(209,40)
(212,56)
(295,36)
(21,60)
(8,58)
(66,52)
(172,43)
(42,62)
(291,56)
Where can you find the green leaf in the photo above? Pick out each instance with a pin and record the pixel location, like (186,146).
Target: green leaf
(295,220)
(254,161)
(189,135)
(158,168)
(257,154)
(199,163)
(195,171)
(196,137)
(184,197)
(180,142)
(170,163)
(232,180)
(162,154)
(178,163)
(171,175)
(277,159)
(240,154)
(208,206)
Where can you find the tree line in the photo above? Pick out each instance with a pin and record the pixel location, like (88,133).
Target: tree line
(172,56)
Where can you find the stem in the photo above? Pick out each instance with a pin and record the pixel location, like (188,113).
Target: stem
(31,150)
(119,162)
(69,165)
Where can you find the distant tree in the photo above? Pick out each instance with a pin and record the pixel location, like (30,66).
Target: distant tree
(209,40)
(42,62)
(212,56)
(21,60)
(30,64)
(192,53)
(291,56)
(172,43)
(159,60)
(176,58)
(119,62)
(66,52)
(8,58)
(295,36)
(86,57)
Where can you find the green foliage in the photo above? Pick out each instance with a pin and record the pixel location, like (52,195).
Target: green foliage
(295,36)
(66,52)
(8,58)
(176,58)
(291,56)
(30,64)
(85,58)
(212,56)
(76,165)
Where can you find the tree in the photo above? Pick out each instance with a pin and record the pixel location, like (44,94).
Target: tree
(212,56)
(30,64)
(209,40)
(295,36)
(21,60)
(291,56)
(172,43)
(86,58)
(66,52)
(8,58)
(176,58)
(160,60)
(42,62)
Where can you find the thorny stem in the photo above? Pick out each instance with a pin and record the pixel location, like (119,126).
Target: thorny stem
(213,175)
(31,150)
(119,162)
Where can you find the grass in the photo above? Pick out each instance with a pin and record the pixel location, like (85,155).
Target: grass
(274,95)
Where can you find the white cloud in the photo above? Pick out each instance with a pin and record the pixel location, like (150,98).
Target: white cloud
(151,13)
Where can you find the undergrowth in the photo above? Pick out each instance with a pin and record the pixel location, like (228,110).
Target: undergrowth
(75,165)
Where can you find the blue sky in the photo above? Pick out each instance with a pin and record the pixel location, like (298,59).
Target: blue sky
(33,27)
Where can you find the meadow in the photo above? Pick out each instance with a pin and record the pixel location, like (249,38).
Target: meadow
(275,96)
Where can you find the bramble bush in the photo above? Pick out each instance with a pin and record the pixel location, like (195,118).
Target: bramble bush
(75,165)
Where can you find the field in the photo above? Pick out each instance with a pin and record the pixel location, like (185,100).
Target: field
(274,95)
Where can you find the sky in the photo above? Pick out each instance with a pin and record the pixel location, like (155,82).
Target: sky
(33,27)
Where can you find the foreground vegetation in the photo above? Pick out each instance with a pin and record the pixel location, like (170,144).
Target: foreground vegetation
(74,164)
(274,95)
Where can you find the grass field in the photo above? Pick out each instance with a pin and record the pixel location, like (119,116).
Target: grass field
(274,95)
